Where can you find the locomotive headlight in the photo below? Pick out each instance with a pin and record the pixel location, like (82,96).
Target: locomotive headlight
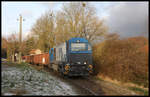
(78,40)
(90,66)
(84,62)
(67,67)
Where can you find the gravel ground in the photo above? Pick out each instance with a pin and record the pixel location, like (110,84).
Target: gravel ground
(28,81)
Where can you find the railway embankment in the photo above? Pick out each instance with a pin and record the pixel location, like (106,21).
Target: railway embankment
(22,79)
(25,79)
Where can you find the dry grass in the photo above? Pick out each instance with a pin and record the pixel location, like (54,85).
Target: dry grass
(40,67)
(125,84)
(18,91)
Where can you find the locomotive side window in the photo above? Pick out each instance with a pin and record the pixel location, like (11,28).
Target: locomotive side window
(78,46)
(89,47)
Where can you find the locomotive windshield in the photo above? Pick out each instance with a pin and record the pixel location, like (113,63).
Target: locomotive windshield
(78,46)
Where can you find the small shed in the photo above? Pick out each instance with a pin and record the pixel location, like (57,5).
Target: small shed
(35,51)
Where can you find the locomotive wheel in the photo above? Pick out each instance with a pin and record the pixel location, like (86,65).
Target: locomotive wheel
(63,75)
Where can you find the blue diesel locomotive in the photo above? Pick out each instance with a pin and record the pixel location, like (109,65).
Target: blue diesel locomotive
(72,58)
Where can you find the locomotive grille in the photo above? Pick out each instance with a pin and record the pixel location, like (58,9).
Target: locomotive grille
(79,59)
(80,68)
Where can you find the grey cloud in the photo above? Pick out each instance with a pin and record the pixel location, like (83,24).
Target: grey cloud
(129,19)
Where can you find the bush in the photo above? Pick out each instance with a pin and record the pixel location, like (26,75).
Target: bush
(122,60)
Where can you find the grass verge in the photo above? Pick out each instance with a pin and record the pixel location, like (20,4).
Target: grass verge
(139,90)
(130,86)
(21,65)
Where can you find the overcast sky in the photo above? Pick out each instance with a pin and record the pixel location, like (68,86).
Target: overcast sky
(129,19)
(126,18)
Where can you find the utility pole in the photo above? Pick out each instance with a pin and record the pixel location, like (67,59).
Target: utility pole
(84,5)
(52,33)
(20,36)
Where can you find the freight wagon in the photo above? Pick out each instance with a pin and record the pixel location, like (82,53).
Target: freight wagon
(37,59)
(72,58)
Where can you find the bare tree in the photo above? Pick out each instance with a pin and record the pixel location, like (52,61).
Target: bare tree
(44,29)
(13,46)
(62,32)
(81,19)
(75,20)
(4,47)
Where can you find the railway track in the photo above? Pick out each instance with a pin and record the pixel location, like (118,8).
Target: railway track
(89,85)
(104,87)
(79,82)
(85,85)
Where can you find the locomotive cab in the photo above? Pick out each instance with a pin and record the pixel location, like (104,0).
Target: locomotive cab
(72,58)
(79,57)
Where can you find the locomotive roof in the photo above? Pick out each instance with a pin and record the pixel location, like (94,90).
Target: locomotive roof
(73,40)
(78,38)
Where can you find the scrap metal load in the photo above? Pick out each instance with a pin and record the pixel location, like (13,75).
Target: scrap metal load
(72,58)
